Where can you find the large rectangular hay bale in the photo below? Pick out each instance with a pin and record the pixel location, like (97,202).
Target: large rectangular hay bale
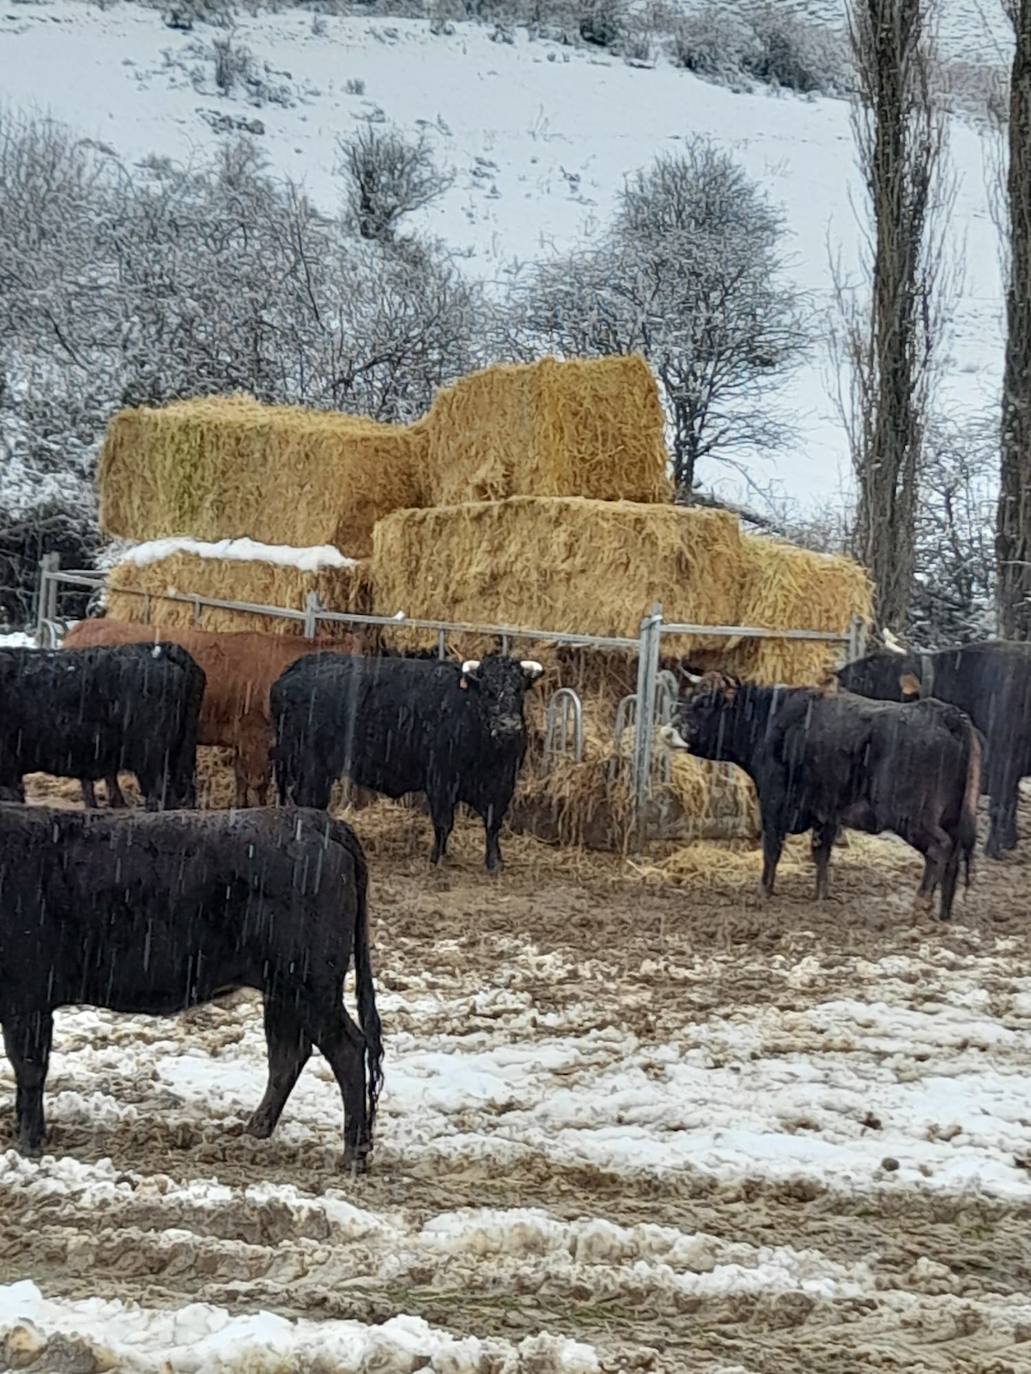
(228,467)
(233,570)
(564,564)
(788,588)
(592,427)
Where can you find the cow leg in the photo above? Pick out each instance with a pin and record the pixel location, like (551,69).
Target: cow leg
(950,879)
(27,1039)
(442,814)
(115,795)
(937,847)
(89,794)
(823,840)
(289,1049)
(1003,785)
(343,1046)
(773,846)
(492,822)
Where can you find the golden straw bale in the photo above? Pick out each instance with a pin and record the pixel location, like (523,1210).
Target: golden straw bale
(228,467)
(788,588)
(137,588)
(588,427)
(563,564)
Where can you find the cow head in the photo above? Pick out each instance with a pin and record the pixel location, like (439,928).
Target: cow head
(498,684)
(892,675)
(699,723)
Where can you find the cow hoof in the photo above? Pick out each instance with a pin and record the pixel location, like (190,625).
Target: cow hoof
(356,1161)
(258,1126)
(30,1149)
(923,906)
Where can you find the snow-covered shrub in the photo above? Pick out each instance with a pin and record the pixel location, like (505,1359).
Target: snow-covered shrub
(234,64)
(602,23)
(388,176)
(713,43)
(793,51)
(62,527)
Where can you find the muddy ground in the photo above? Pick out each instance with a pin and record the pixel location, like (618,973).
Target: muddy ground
(814,1195)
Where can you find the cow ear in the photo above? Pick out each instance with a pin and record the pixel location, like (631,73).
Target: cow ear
(532,670)
(910,684)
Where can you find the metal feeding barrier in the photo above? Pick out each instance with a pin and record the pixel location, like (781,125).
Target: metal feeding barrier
(652,705)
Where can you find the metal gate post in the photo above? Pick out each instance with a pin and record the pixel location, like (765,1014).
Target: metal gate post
(312,606)
(647,675)
(46,597)
(856,638)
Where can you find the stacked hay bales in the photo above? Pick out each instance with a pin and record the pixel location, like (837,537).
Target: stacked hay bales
(141,586)
(561,564)
(591,428)
(788,588)
(228,467)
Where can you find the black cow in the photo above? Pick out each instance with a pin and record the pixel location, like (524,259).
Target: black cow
(823,760)
(151,914)
(91,713)
(991,682)
(175,653)
(400,726)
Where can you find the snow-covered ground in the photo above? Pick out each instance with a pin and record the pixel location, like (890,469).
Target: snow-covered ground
(583,1138)
(539,138)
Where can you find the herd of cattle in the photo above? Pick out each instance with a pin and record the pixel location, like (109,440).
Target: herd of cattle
(161,909)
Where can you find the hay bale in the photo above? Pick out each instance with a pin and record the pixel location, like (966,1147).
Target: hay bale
(591,427)
(788,588)
(229,467)
(562,564)
(590,804)
(233,570)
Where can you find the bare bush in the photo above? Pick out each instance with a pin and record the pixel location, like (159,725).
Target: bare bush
(388,177)
(234,64)
(713,43)
(794,52)
(954,564)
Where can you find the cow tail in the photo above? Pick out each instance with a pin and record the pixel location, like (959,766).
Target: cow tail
(971,795)
(368,1016)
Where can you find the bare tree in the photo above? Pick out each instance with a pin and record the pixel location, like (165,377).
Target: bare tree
(388,177)
(900,133)
(689,275)
(1013,519)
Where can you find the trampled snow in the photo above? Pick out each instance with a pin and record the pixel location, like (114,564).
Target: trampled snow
(309,560)
(202,1339)
(539,138)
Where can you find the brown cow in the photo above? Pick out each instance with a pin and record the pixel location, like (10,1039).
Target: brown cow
(240,669)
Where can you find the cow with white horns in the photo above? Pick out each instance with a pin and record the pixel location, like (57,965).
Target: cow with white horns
(400,726)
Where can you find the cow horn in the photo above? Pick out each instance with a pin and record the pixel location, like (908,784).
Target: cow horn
(531,668)
(891,643)
(470,666)
(693,677)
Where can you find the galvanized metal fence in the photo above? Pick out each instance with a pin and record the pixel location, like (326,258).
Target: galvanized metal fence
(651,705)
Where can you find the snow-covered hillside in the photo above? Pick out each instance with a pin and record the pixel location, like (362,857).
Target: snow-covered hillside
(539,137)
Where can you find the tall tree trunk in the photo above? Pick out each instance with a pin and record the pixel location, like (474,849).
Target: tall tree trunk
(1013,524)
(900,136)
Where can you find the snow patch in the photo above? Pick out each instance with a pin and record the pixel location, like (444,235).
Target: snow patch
(308,560)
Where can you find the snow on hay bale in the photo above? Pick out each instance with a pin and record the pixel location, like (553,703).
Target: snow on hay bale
(230,467)
(138,586)
(592,427)
(788,588)
(562,564)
